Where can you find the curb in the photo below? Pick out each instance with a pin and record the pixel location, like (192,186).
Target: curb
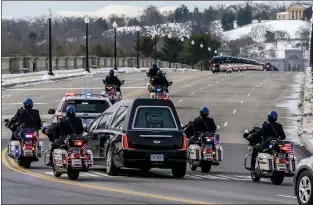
(306,137)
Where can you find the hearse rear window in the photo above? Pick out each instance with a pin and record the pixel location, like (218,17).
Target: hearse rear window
(154,117)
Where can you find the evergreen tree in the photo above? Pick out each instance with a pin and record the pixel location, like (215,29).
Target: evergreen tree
(228,19)
(172,47)
(146,46)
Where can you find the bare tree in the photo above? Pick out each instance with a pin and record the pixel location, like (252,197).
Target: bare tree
(257,32)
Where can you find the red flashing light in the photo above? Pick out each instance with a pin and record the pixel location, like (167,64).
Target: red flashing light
(78,143)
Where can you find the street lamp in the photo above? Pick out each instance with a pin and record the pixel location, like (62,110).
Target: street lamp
(138,29)
(192,43)
(50,43)
(209,49)
(201,46)
(155,44)
(215,52)
(311,44)
(170,64)
(87,38)
(114,27)
(182,52)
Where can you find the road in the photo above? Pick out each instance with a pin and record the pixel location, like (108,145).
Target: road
(236,101)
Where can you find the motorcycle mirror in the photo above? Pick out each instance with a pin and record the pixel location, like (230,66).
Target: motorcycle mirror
(182,125)
(44,124)
(246,131)
(6,120)
(218,127)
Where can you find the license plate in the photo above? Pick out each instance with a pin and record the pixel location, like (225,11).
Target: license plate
(76,162)
(28,142)
(76,151)
(282,155)
(157,157)
(28,153)
(208,156)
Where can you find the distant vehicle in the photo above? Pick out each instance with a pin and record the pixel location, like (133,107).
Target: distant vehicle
(142,133)
(303,181)
(88,106)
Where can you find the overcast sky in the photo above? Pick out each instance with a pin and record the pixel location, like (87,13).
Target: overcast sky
(97,8)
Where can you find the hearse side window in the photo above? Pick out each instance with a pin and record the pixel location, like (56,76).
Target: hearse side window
(94,124)
(121,111)
(154,117)
(87,106)
(103,121)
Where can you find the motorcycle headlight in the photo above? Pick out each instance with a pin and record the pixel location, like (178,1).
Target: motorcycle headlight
(209,140)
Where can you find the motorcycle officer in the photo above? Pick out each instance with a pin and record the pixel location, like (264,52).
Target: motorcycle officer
(113,80)
(153,71)
(268,131)
(160,79)
(24,117)
(67,126)
(201,124)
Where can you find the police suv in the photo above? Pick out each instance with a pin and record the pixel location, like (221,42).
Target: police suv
(88,106)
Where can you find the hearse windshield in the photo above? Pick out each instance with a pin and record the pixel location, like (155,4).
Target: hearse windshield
(154,117)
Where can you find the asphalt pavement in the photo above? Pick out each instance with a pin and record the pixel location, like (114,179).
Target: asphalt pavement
(236,101)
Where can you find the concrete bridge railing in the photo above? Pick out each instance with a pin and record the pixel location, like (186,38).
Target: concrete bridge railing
(18,64)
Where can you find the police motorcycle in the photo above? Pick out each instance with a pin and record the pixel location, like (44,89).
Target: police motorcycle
(276,162)
(27,148)
(149,86)
(72,157)
(205,152)
(111,93)
(159,92)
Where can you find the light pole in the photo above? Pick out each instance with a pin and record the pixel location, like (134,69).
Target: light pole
(155,44)
(138,29)
(169,58)
(192,43)
(87,45)
(311,44)
(182,52)
(215,52)
(201,46)
(209,49)
(50,43)
(114,27)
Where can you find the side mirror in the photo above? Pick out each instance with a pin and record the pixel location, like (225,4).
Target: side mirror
(6,120)
(51,111)
(44,124)
(246,131)
(218,127)
(122,82)
(182,125)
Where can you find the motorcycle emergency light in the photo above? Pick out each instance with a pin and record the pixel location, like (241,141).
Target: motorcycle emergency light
(27,146)
(69,94)
(78,143)
(210,140)
(28,136)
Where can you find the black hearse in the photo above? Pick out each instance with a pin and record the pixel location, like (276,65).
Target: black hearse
(140,133)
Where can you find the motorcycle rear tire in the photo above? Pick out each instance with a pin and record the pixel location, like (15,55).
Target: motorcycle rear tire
(73,174)
(277,178)
(26,164)
(206,167)
(57,174)
(255,177)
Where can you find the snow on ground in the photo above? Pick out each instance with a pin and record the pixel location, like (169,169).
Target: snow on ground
(291,26)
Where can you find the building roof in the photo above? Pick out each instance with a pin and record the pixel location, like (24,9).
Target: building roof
(282,12)
(305,5)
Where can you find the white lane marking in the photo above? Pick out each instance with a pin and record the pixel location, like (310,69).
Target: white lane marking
(248,94)
(70,85)
(211,177)
(210,85)
(217,82)
(101,174)
(229,177)
(191,93)
(6,96)
(245,177)
(241,101)
(287,196)
(257,86)
(235,111)
(194,177)
(201,88)
(260,83)
(252,88)
(226,123)
(79,88)
(42,116)
(130,81)
(27,94)
(22,103)
(57,100)
(89,175)
(50,173)
(180,100)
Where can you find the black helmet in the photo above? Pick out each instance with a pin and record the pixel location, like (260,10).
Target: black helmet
(154,65)
(111,72)
(28,103)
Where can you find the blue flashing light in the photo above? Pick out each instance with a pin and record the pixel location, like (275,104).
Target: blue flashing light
(209,140)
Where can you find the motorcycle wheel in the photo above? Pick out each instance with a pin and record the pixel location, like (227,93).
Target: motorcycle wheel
(277,178)
(57,174)
(73,174)
(26,164)
(193,167)
(206,167)
(255,177)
